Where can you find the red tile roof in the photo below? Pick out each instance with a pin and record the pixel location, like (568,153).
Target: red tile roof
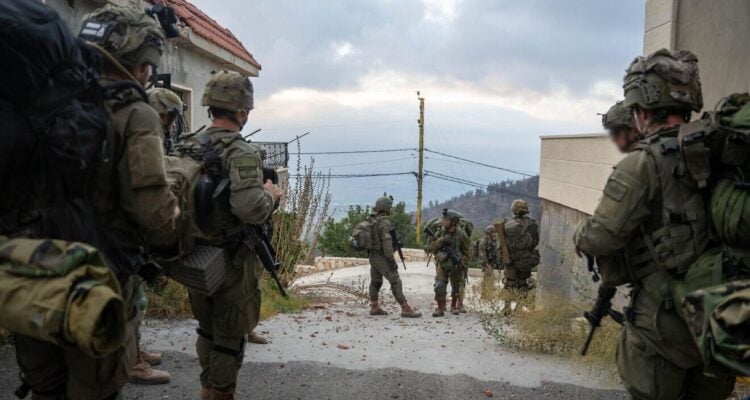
(209,29)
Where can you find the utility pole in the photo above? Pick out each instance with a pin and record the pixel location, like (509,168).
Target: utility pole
(420,173)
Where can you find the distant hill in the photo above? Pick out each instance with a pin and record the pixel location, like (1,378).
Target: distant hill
(484,206)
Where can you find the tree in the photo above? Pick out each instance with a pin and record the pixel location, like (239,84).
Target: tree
(334,240)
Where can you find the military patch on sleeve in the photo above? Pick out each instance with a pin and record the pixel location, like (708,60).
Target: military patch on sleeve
(615,190)
(247,167)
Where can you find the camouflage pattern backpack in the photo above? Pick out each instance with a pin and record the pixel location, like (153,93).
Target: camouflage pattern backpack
(362,236)
(716,150)
(61,292)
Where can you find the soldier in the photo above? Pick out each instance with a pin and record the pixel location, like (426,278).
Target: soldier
(488,253)
(131,198)
(169,107)
(450,240)
(653,213)
(383,262)
(618,121)
(521,235)
(227,316)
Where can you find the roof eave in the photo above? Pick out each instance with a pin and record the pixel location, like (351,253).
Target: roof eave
(217,53)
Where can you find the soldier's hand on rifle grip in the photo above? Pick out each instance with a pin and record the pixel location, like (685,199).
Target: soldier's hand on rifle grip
(269,187)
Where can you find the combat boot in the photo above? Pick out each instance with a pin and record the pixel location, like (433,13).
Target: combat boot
(375,308)
(151,358)
(408,312)
(454,305)
(440,310)
(460,305)
(143,374)
(254,338)
(219,395)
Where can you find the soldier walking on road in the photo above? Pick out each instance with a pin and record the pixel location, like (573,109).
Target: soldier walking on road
(520,235)
(382,261)
(225,317)
(653,213)
(488,252)
(450,240)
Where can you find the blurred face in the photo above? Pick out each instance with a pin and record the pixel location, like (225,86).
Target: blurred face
(142,73)
(447,223)
(623,137)
(242,117)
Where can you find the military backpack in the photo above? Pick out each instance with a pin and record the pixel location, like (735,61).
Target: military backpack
(363,235)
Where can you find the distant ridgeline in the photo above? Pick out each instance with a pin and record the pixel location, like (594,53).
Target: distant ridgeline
(483,206)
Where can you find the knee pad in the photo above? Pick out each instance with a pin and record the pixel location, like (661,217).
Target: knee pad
(441,288)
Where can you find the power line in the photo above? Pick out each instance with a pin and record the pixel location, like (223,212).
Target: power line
(479,163)
(366,163)
(489,188)
(345,176)
(339,125)
(355,152)
(452,161)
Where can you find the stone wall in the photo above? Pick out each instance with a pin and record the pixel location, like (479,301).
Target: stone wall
(333,263)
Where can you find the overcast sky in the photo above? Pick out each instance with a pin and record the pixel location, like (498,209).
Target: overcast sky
(496,75)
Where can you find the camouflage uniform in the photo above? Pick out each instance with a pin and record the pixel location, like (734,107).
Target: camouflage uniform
(522,237)
(383,262)
(169,107)
(488,252)
(445,271)
(653,214)
(132,199)
(227,316)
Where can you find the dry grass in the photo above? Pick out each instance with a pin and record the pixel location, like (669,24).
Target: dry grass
(273,303)
(555,330)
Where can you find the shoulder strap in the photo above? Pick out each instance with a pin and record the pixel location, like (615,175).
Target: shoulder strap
(212,163)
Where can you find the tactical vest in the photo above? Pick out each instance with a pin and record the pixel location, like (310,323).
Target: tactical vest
(376,239)
(675,236)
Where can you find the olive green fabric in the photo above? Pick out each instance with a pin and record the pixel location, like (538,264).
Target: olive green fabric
(233,311)
(618,116)
(62,293)
(226,317)
(228,90)
(730,212)
(522,237)
(136,37)
(649,376)
(719,317)
(664,79)
(657,357)
(382,261)
(446,270)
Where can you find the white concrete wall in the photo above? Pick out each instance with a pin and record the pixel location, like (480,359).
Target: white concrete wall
(575,168)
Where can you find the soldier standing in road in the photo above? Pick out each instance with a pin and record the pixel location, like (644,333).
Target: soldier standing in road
(521,236)
(169,107)
(227,316)
(131,199)
(488,252)
(451,239)
(382,260)
(653,212)
(619,123)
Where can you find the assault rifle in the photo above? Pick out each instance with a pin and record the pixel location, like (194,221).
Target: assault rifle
(445,249)
(262,243)
(399,246)
(602,308)
(256,239)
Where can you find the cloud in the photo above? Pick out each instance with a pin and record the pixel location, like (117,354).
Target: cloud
(443,11)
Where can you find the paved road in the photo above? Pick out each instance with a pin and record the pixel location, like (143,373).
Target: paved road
(340,352)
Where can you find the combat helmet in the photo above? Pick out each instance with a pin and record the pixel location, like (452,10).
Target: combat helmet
(519,207)
(228,90)
(127,33)
(383,204)
(618,116)
(664,80)
(165,101)
(453,215)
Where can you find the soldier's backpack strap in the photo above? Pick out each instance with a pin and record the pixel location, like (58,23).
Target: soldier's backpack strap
(212,164)
(693,139)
